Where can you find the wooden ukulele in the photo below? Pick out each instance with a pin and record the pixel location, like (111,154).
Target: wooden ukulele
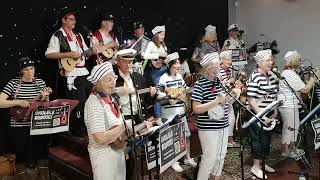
(179,94)
(108,54)
(69,64)
(18,113)
(122,141)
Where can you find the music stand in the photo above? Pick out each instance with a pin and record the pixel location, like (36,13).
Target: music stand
(302,126)
(58,102)
(140,44)
(310,115)
(153,137)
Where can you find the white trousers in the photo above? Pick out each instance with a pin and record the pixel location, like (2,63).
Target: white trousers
(290,118)
(214,148)
(232,119)
(109,165)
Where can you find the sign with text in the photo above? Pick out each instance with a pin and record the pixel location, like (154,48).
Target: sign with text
(239,57)
(316,128)
(172,147)
(50,120)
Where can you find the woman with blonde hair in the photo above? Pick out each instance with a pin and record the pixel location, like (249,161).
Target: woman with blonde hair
(208,44)
(209,105)
(290,109)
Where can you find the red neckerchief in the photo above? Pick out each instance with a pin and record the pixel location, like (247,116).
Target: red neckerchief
(78,37)
(114,107)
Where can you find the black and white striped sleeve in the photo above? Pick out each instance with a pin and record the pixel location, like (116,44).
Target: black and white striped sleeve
(197,94)
(252,89)
(94,115)
(9,89)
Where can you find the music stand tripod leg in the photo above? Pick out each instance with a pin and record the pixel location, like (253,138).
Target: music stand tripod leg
(154,143)
(241,146)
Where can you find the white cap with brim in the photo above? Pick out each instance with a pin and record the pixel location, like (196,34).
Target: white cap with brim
(210,58)
(99,71)
(233,27)
(127,54)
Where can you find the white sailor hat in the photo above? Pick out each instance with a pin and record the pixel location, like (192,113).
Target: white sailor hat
(263,55)
(291,55)
(233,27)
(171,57)
(210,28)
(127,54)
(226,54)
(158,29)
(210,58)
(99,71)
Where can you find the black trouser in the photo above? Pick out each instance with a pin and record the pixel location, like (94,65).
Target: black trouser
(76,126)
(27,148)
(132,163)
(260,141)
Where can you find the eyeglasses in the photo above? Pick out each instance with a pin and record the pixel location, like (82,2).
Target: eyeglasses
(71,19)
(126,61)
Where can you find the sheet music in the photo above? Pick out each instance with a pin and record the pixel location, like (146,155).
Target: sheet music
(141,44)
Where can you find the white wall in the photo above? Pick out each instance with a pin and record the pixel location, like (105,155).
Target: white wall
(295,24)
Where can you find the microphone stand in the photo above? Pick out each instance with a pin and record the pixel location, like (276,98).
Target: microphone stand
(283,79)
(300,128)
(132,139)
(263,124)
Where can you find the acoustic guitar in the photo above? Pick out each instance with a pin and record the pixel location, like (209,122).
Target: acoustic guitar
(122,141)
(18,113)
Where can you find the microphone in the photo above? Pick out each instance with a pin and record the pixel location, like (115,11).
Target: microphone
(276,72)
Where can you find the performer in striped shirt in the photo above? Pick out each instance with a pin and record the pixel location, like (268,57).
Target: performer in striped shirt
(172,80)
(290,109)
(18,92)
(213,132)
(104,124)
(227,79)
(261,91)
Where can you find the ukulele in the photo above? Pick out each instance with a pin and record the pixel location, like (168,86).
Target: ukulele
(18,113)
(69,64)
(108,54)
(122,141)
(178,94)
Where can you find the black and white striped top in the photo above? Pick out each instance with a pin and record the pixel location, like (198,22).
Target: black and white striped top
(27,91)
(167,81)
(225,74)
(98,117)
(262,88)
(205,91)
(318,93)
(285,94)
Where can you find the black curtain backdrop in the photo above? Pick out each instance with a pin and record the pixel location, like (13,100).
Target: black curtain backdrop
(26,27)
